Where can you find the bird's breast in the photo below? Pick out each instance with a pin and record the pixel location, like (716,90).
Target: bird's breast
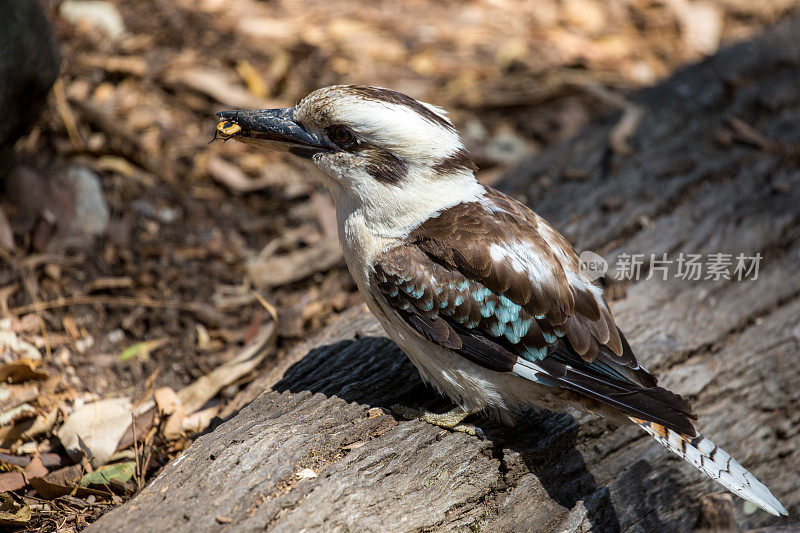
(360,247)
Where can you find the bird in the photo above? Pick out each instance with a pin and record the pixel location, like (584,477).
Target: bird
(485,297)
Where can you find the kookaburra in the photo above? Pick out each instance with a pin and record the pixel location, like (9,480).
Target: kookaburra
(484,296)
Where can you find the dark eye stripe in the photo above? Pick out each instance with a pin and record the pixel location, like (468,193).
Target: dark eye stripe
(386,168)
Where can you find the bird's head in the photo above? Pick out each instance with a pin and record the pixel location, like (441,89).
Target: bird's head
(394,159)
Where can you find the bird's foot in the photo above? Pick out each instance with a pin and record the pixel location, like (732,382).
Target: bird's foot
(451,420)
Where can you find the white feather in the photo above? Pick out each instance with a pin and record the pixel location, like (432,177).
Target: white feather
(392,126)
(717,464)
(525,259)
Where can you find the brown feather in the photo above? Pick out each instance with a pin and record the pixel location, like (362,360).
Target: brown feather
(578,335)
(439,303)
(586,305)
(458,240)
(599,330)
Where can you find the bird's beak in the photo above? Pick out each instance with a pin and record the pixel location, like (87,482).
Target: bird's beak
(274,128)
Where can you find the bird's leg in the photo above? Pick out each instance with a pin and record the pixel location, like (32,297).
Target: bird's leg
(450,420)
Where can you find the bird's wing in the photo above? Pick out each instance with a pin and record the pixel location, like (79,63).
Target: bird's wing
(442,298)
(515,253)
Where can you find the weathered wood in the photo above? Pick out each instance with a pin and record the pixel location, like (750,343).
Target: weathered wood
(696,182)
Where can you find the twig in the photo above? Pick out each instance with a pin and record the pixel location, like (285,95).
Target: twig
(268,306)
(148,442)
(624,129)
(67,117)
(138,472)
(749,135)
(6,293)
(27,277)
(626,126)
(121,140)
(119,301)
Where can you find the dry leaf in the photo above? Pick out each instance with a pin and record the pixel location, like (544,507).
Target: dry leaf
(201,391)
(701,25)
(120,472)
(295,266)
(70,327)
(166,400)
(94,429)
(69,475)
(27,448)
(35,468)
(264,29)
(234,178)
(218,85)
(11,481)
(306,473)
(12,513)
(10,343)
(144,417)
(103,16)
(16,480)
(21,370)
(39,425)
(13,395)
(172,428)
(169,404)
(203,338)
(20,412)
(253,80)
(136,66)
(199,420)
(62,482)
(29,427)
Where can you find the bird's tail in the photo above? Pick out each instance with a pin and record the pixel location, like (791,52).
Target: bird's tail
(717,464)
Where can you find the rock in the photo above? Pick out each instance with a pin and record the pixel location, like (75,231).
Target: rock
(63,207)
(507,147)
(29,62)
(91,211)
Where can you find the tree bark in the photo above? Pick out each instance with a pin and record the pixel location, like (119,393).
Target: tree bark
(712,167)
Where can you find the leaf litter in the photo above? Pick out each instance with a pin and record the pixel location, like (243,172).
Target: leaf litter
(147,330)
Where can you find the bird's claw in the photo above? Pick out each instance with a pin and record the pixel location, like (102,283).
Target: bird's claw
(450,420)
(470,429)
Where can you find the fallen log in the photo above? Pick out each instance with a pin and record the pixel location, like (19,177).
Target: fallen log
(712,168)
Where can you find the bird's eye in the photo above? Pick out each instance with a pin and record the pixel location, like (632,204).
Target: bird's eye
(342,137)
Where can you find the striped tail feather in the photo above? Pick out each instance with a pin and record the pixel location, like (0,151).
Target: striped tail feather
(716,463)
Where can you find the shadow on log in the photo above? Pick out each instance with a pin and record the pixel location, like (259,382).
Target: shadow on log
(713,168)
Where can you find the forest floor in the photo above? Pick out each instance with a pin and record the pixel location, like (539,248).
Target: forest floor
(170,287)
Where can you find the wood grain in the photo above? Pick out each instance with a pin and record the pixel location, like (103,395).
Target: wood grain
(693,183)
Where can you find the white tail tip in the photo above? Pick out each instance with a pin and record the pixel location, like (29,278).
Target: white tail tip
(717,464)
